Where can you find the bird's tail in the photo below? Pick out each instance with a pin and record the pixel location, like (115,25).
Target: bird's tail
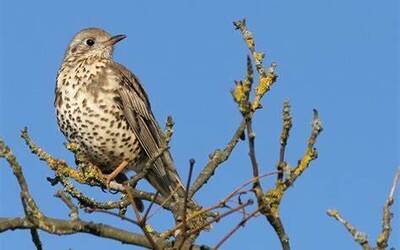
(167,181)
(170,186)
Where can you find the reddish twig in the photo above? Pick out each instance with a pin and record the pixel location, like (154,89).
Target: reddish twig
(240,224)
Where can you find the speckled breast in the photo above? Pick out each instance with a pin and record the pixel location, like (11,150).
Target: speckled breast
(88,115)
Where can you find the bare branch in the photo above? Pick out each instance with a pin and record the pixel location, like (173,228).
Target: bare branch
(67,200)
(31,210)
(266,80)
(383,238)
(241,92)
(396,181)
(268,203)
(141,222)
(219,217)
(360,237)
(36,239)
(286,126)
(64,227)
(309,155)
(220,204)
(169,129)
(240,224)
(184,211)
(267,77)
(252,154)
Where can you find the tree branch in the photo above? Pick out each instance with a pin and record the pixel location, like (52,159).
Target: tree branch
(36,239)
(31,210)
(141,222)
(182,238)
(240,224)
(74,212)
(63,227)
(286,126)
(383,238)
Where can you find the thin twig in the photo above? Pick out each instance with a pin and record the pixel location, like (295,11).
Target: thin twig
(31,209)
(383,238)
(268,207)
(192,162)
(73,214)
(36,239)
(244,184)
(252,154)
(358,236)
(286,126)
(146,214)
(184,212)
(219,217)
(166,201)
(220,204)
(396,181)
(139,219)
(266,77)
(310,154)
(240,224)
(169,130)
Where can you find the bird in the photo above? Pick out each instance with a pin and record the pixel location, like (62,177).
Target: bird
(102,107)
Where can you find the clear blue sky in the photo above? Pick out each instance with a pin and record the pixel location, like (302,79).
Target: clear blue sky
(340,57)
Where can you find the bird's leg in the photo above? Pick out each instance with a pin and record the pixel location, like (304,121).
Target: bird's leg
(115,172)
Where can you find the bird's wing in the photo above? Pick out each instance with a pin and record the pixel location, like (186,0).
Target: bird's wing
(134,102)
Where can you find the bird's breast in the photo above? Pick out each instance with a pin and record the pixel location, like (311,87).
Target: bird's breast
(89,116)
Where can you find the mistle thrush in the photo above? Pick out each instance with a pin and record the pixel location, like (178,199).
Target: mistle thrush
(102,107)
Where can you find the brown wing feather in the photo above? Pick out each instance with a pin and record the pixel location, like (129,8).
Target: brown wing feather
(136,107)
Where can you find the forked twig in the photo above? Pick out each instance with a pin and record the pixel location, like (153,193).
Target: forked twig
(383,238)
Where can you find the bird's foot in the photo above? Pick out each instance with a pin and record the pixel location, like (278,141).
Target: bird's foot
(110,177)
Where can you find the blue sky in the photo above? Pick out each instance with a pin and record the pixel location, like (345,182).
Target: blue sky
(340,57)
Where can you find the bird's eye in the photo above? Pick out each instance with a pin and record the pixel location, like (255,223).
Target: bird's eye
(89,42)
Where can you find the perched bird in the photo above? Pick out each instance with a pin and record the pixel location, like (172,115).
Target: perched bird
(102,107)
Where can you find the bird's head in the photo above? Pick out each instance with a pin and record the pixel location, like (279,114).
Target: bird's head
(91,42)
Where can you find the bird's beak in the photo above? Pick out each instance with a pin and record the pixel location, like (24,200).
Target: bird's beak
(113,40)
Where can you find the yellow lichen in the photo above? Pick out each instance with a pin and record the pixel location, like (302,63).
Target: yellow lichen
(241,94)
(149,228)
(264,84)
(249,39)
(238,92)
(305,161)
(258,56)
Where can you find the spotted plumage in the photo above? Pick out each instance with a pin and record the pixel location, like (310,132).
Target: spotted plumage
(102,107)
